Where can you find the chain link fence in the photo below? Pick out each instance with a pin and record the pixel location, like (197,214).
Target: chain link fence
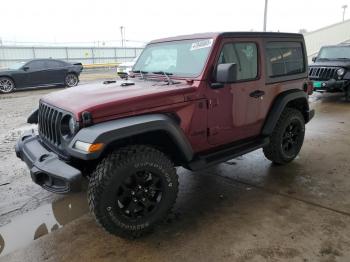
(86,55)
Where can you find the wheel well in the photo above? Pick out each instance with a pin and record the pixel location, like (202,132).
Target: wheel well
(72,73)
(10,77)
(300,104)
(159,139)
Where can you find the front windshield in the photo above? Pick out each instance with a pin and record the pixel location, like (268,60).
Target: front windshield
(335,52)
(182,58)
(16,66)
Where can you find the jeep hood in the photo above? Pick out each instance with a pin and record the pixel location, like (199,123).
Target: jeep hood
(332,63)
(104,100)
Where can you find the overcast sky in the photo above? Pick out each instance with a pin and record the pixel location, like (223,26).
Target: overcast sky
(144,20)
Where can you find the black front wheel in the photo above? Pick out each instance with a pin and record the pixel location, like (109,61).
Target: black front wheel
(132,189)
(287,137)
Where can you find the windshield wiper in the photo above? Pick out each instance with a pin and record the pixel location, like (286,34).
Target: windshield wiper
(142,73)
(343,58)
(166,74)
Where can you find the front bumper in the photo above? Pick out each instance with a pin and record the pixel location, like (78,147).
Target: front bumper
(46,169)
(331,85)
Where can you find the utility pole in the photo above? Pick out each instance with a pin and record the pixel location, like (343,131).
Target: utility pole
(344,7)
(124,39)
(265,15)
(122,35)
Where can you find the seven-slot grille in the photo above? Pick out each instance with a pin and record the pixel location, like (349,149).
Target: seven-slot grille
(323,73)
(49,124)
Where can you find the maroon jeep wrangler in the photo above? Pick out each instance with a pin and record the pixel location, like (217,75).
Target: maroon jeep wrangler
(190,101)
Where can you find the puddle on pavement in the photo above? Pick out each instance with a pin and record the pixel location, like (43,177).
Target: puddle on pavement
(32,225)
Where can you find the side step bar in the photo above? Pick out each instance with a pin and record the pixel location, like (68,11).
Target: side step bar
(206,160)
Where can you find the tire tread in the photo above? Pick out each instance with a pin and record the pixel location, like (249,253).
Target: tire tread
(103,174)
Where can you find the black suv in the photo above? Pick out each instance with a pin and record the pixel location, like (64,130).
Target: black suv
(330,71)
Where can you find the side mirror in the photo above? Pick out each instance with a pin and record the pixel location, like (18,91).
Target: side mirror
(25,68)
(314,59)
(226,73)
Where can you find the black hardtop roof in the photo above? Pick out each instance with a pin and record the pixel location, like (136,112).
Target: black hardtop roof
(230,34)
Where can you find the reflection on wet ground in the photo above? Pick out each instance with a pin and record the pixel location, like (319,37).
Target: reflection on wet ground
(41,221)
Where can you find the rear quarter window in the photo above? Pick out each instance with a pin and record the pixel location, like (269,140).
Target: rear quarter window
(285,59)
(55,64)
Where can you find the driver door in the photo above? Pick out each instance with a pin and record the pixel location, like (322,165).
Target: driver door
(234,109)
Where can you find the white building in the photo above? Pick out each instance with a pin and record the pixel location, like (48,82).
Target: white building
(330,35)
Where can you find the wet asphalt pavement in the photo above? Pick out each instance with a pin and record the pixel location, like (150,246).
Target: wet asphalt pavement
(243,210)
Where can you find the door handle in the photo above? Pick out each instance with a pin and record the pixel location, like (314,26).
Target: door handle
(257,93)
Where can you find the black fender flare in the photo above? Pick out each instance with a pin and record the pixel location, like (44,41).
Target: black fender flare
(278,106)
(347,75)
(112,131)
(33,118)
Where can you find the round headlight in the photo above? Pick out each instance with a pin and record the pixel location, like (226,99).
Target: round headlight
(68,126)
(72,126)
(340,71)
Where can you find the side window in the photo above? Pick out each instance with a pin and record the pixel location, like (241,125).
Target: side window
(37,65)
(285,58)
(245,55)
(54,64)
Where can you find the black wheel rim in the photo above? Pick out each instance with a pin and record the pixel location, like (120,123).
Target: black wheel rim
(291,138)
(139,194)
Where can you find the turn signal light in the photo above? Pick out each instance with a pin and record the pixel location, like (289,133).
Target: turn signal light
(95,147)
(87,147)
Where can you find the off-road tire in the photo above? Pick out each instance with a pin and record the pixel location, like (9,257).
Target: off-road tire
(108,178)
(274,151)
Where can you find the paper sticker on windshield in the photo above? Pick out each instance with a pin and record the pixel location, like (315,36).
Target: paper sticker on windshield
(201,44)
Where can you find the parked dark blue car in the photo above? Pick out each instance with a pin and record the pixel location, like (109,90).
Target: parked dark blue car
(39,73)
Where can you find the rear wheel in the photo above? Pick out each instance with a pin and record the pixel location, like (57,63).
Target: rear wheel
(287,137)
(132,189)
(6,85)
(71,80)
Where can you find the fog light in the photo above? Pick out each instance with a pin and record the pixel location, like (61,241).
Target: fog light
(87,147)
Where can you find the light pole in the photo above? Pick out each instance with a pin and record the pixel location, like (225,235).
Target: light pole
(344,7)
(122,35)
(265,15)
